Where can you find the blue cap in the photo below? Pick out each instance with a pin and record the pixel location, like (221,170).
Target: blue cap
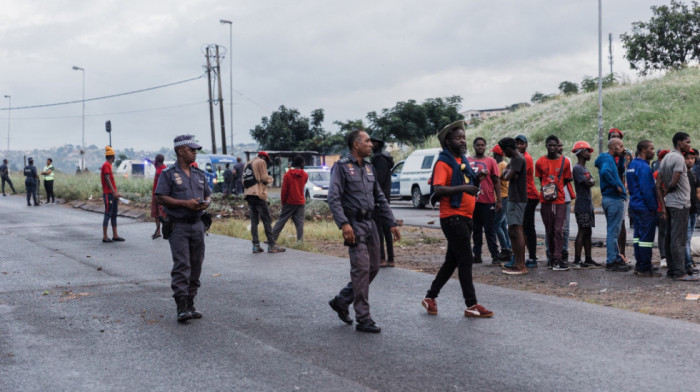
(521,138)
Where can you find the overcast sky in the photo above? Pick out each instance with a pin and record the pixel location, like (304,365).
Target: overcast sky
(347,58)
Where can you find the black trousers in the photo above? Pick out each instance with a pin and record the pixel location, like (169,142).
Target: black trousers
(4,180)
(384,236)
(485,221)
(457,230)
(529,228)
(48,186)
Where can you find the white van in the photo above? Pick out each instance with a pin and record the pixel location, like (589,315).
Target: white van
(409,178)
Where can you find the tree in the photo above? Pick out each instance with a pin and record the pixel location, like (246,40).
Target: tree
(411,122)
(568,88)
(286,129)
(590,84)
(669,40)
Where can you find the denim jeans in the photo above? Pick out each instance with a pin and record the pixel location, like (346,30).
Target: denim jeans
(614,209)
(502,225)
(692,218)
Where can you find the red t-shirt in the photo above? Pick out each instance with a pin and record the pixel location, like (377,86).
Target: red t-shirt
(107,169)
(547,170)
(443,177)
(487,195)
(530,171)
(159,170)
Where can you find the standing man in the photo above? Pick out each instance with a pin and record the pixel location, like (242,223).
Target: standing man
(228,180)
(237,175)
(352,196)
(690,158)
(293,202)
(501,221)
(110,196)
(383,162)
(583,208)
(621,163)
(533,198)
(184,193)
(554,172)
(156,208)
(643,205)
(255,180)
(456,186)
(5,174)
(31,182)
(488,201)
(516,175)
(614,196)
(673,185)
(219,187)
(48,181)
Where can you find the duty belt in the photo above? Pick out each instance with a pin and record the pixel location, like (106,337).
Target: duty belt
(190,221)
(358,215)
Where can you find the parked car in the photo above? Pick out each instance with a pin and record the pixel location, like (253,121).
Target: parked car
(410,177)
(316,187)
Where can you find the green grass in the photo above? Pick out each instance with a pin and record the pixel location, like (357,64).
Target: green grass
(71,187)
(317,231)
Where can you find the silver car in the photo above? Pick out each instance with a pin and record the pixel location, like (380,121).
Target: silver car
(316,187)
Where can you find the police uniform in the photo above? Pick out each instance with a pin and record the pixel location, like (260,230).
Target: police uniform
(30,182)
(352,197)
(187,236)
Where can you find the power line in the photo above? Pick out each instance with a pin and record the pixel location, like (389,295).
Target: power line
(104,97)
(111,114)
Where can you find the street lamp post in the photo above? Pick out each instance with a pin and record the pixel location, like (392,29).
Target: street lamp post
(82,145)
(230,70)
(9,111)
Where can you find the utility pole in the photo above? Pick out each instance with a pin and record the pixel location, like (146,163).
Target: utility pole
(600,76)
(610,50)
(230,71)
(211,104)
(221,102)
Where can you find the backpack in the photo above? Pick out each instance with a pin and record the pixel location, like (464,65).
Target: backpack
(248,176)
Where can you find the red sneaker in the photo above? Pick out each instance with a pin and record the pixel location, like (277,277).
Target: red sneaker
(477,311)
(430,305)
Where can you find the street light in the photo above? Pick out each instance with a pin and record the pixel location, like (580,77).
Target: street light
(9,109)
(82,145)
(230,70)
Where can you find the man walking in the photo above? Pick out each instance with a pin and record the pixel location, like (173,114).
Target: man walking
(352,197)
(614,196)
(292,196)
(643,205)
(673,185)
(383,162)
(110,196)
(488,201)
(255,180)
(554,172)
(516,175)
(184,192)
(533,198)
(456,186)
(5,175)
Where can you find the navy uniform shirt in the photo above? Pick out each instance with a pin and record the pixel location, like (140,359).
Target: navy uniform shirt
(30,173)
(175,183)
(354,187)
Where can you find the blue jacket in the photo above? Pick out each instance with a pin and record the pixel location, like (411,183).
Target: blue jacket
(609,179)
(640,183)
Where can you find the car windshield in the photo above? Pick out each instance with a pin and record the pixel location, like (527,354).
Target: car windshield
(320,176)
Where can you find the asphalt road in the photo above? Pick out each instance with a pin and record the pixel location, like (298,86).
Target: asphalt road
(79,315)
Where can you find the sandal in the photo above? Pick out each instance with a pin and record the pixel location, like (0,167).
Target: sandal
(107,240)
(156,235)
(118,239)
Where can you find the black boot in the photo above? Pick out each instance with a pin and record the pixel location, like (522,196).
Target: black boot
(183,313)
(190,307)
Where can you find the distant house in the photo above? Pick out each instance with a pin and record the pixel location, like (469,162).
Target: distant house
(483,115)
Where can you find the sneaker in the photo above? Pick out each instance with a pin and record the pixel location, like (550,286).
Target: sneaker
(390,264)
(477,311)
(647,274)
(477,259)
(550,265)
(514,271)
(382,263)
(531,263)
(509,264)
(663,264)
(560,265)
(617,266)
(257,249)
(430,305)
(687,278)
(275,249)
(590,264)
(579,265)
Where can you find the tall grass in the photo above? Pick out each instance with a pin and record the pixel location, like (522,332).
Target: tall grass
(323,231)
(87,186)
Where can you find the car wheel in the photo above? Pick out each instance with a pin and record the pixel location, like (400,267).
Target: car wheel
(417,198)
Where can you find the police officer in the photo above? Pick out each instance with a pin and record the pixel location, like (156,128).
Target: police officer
(31,181)
(352,196)
(184,193)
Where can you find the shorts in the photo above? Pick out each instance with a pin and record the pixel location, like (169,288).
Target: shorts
(515,213)
(585,220)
